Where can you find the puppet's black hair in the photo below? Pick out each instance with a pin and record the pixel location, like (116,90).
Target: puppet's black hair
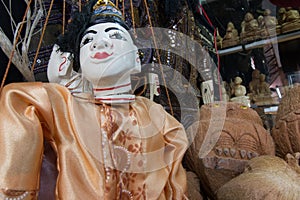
(80,21)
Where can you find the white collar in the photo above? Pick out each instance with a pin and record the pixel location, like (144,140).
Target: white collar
(116,99)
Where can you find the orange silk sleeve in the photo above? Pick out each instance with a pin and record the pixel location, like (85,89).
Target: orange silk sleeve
(24,121)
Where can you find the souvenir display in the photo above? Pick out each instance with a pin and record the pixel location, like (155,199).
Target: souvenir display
(137,99)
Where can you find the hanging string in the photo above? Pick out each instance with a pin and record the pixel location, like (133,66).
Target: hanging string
(138,80)
(216,48)
(64,16)
(79,5)
(218,63)
(123,8)
(158,57)
(117,3)
(14,46)
(132,16)
(42,36)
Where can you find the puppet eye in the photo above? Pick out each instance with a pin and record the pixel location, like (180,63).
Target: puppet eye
(85,41)
(117,35)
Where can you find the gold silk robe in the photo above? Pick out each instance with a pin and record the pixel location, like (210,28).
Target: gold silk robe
(124,151)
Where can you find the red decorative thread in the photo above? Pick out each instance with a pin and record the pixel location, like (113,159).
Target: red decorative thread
(111,88)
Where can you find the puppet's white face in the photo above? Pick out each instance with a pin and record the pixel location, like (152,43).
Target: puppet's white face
(108,54)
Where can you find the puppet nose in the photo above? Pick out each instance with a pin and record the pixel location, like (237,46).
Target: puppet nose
(102,44)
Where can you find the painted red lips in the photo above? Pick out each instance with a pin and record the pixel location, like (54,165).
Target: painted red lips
(101,55)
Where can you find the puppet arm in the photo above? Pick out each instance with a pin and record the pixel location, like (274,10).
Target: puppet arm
(25,119)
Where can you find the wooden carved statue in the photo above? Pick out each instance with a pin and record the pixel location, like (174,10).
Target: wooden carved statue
(253,85)
(263,87)
(239,92)
(260,92)
(267,24)
(286,132)
(281,16)
(231,37)
(249,28)
(266,177)
(292,20)
(223,141)
(225,91)
(270,23)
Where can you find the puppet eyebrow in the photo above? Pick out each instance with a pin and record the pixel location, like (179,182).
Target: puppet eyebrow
(90,31)
(112,28)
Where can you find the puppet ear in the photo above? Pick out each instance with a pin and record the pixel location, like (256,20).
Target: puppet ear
(137,64)
(60,65)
